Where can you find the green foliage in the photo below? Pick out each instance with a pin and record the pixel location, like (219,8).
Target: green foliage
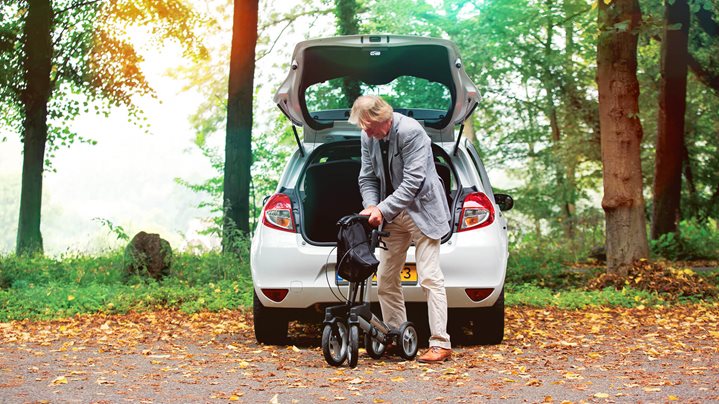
(701,171)
(403,92)
(96,67)
(270,153)
(548,262)
(117,230)
(43,288)
(695,240)
(532,295)
(325,96)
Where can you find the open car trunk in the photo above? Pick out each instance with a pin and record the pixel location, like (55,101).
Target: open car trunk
(329,189)
(376,60)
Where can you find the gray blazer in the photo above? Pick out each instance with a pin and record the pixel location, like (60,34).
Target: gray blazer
(417,187)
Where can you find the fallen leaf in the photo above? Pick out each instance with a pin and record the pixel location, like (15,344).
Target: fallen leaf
(102,381)
(58,380)
(601,395)
(573,376)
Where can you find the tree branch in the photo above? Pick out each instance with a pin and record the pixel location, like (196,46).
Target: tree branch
(573,16)
(291,18)
(705,77)
(706,21)
(84,3)
(274,42)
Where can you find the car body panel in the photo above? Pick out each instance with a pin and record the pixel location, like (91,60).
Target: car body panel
(469,259)
(290,95)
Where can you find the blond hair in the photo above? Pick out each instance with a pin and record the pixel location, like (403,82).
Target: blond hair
(368,109)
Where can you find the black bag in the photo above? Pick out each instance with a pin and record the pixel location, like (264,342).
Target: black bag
(355,259)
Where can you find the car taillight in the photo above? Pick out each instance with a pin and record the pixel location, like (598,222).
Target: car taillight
(477,212)
(278,213)
(276,295)
(478,294)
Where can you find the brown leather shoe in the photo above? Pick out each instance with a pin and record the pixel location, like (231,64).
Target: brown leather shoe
(435,354)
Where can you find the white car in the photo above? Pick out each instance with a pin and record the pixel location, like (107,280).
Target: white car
(293,252)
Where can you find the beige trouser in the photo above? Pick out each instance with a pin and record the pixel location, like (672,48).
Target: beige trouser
(402,232)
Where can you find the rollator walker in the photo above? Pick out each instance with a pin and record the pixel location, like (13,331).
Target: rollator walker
(356,263)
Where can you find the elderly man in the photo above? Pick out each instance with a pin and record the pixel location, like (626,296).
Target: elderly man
(400,185)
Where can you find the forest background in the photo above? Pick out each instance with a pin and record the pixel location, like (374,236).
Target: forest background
(158,163)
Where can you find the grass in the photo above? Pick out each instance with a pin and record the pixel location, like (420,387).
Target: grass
(575,298)
(45,288)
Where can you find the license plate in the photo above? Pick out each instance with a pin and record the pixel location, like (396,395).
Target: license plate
(408,276)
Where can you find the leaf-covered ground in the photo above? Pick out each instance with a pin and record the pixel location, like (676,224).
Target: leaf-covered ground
(659,354)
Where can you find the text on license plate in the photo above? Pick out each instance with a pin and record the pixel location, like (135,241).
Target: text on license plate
(408,276)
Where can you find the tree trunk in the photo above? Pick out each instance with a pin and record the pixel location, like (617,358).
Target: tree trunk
(37,65)
(672,106)
(562,170)
(348,24)
(693,205)
(238,138)
(621,133)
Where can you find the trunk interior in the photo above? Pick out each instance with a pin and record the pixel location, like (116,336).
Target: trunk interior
(329,190)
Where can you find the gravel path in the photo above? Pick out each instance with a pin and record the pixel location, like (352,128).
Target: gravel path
(549,355)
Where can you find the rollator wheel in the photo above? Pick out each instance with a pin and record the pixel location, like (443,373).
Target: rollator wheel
(408,341)
(353,351)
(334,343)
(374,348)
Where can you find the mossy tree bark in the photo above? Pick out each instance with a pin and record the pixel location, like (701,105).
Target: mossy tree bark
(621,133)
(38,50)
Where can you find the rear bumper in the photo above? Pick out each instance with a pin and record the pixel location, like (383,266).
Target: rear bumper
(283,260)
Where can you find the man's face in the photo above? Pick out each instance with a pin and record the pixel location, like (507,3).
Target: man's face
(378,130)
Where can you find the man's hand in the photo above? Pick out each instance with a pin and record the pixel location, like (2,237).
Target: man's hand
(375,215)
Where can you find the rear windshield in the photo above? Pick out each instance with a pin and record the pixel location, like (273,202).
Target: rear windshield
(416,77)
(404,92)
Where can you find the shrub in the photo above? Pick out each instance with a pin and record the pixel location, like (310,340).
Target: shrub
(694,240)
(548,262)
